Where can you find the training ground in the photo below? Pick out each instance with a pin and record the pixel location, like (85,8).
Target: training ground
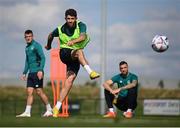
(11,104)
(91,121)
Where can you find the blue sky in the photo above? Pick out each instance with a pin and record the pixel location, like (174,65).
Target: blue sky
(131,25)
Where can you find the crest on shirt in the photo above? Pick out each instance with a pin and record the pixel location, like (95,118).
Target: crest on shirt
(32,48)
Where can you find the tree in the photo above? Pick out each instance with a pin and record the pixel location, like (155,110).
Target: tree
(89,83)
(161,84)
(179,84)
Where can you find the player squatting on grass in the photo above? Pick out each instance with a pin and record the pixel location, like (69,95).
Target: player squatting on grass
(125,96)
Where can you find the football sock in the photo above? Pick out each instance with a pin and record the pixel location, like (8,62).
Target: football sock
(111,109)
(28,109)
(58,105)
(48,107)
(88,69)
(129,110)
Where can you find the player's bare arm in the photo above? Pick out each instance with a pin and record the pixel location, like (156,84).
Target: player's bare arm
(82,37)
(40,75)
(108,85)
(49,42)
(116,91)
(131,85)
(23,77)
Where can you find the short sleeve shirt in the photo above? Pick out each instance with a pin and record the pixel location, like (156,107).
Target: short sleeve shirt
(121,81)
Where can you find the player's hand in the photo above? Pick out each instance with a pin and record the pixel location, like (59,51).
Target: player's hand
(40,75)
(47,47)
(70,43)
(23,77)
(116,91)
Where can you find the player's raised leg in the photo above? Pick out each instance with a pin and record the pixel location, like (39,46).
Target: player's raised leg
(80,55)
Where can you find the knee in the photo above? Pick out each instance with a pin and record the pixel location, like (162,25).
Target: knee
(79,52)
(70,81)
(29,92)
(39,92)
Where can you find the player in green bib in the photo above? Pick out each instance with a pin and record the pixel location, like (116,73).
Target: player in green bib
(125,96)
(73,39)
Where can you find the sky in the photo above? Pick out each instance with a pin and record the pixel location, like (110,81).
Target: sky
(131,26)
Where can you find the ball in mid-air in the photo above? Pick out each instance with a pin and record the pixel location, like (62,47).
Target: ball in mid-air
(160,43)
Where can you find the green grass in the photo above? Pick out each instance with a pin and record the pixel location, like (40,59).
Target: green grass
(91,121)
(13,100)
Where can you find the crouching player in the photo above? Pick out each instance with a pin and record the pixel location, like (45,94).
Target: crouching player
(125,96)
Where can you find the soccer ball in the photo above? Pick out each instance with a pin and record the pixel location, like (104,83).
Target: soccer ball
(160,43)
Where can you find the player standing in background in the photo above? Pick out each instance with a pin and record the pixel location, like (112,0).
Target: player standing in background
(35,61)
(125,96)
(73,39)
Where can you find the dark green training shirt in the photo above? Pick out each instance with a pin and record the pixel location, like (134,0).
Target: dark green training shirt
(35,59)
(121,81)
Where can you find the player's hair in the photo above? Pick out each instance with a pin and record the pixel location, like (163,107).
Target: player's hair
(71,12)
(123,62)
(28,32)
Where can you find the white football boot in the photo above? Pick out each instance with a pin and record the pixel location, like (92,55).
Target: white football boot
(47,113)
(24,114)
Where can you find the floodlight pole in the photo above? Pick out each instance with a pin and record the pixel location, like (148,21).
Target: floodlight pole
(103,52)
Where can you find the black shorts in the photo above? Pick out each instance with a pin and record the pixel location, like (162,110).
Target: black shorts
(130,101)
(33,81)
(72,65)
(122,103)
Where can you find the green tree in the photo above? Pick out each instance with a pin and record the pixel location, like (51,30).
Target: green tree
(179,84)
(161,84)
(91,83)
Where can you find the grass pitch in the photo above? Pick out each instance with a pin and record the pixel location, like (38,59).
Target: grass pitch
(91,121)
(11,103)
